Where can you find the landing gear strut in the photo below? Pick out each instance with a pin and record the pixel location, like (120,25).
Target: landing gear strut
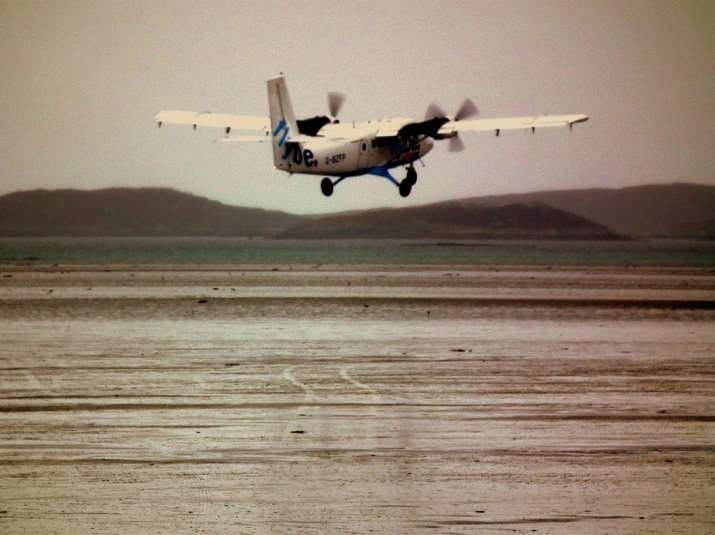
(326,186)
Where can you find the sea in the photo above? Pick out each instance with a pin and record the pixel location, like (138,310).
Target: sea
(217,251)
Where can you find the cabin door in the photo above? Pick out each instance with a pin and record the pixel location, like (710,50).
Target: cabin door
(363,154)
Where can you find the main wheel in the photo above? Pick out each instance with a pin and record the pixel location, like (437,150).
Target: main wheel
(326,186)
(405,187)
(411,175)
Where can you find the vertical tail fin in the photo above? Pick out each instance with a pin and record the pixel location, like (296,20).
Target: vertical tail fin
(283,122)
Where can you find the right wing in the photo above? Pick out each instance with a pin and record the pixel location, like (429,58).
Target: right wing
(511,123)
(214,120)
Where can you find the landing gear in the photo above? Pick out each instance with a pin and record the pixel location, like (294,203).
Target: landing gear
(407,182)
(326,186)
(411,175)
(405,187)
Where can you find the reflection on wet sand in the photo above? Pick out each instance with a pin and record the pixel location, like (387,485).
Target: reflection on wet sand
(391,400)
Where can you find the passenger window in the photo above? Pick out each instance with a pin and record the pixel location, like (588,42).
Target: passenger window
(364,146)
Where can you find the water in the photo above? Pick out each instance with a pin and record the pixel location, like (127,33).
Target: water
(361,252)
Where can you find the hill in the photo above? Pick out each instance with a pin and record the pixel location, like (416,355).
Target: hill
(672,210)
(640,211)
(453,220)
(132,212)
(699,229)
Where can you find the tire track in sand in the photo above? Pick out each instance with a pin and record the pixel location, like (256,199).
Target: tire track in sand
(309,393)
(345,374)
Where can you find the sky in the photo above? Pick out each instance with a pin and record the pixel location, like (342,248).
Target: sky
(82,81)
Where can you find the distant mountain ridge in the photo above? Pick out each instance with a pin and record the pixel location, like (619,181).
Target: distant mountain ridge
(453,220)
(132,212)
(676,210)
(671,210)
(698,229)
(654,210)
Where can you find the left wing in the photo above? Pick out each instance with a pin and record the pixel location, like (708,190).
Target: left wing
(214,120)
(510,123)
(244,139)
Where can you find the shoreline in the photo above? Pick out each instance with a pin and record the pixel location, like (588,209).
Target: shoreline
(350,267)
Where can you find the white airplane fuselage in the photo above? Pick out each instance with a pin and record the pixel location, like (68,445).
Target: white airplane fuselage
(356,151)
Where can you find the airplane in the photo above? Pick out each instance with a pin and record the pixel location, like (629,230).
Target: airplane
(323,145)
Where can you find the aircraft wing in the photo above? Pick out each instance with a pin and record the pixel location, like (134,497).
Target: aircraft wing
(511,123)
(214,120)
(389,128)
(244,139)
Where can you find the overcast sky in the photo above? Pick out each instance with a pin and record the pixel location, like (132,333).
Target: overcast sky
(82,81)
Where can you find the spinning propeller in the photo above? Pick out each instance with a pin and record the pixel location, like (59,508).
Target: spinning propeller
(466,111)
(311,126)
(335,102)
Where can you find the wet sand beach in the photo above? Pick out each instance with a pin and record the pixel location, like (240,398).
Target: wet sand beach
(363,399)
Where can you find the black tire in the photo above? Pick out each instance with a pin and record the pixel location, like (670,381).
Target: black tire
(326,186)
(411,175)
(405,188)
